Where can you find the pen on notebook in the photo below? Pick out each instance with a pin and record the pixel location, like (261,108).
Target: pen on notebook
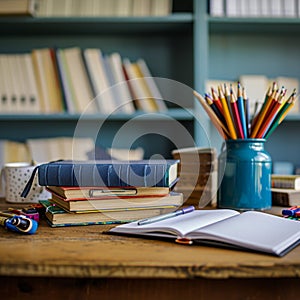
(167,216)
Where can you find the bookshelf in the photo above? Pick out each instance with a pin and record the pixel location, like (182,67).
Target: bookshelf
(190,45)
(165,38)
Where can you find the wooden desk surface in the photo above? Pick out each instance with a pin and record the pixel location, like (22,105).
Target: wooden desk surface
(84,252)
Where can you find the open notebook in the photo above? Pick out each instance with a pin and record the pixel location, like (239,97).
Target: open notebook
(250,230)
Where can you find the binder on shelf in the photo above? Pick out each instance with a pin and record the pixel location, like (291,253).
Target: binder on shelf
(31,84)
(18,7)
(78,82)
(120,86)
(68,97)
(140,91)
(96,69)
(150,81)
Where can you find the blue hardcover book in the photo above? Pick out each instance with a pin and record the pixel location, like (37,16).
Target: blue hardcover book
(107,173)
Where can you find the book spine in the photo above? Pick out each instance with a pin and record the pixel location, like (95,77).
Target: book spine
(280,199)
(104,175)
(283,183)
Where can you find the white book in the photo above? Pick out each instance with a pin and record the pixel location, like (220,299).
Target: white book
(154,90)
(216,8)
(3,92)
(231,7)
(5,97)
(162,7)
(289,8)
(244,8)
(123,8)
(34,100)
(103,8)
(63,71)
(276,8)
(40,75)
(141,7)
(13,87)
(125,103)
(96,68)
(254,8)
(79,80)
(20,78)
(252,230)
(86,7)
(265,8)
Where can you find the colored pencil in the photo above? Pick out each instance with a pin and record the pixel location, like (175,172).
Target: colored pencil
(236,116)
(263,111)
(287,106)
(241,110)
(247,111)
(227,116)
(214,107)
(217,100)
(270,116)
(217,123)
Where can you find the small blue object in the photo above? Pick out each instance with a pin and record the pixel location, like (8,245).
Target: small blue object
(290,212)
(21,224)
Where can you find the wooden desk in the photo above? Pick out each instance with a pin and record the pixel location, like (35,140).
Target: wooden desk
(83,263)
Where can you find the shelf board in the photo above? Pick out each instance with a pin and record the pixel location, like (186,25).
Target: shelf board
(105,25)
(256,25)
(292,117)
(177,114)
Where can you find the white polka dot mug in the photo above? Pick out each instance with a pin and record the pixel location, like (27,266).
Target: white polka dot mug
(16,176)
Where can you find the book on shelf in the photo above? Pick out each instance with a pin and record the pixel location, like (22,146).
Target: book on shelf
(138,87)
(216,8)
(97,72)
(47,81)
(58,217)
(18,7)
(254,8)
(119,84)
(80,193)
(77,80)
(103,8)
(50,149)
(250,231)
(285,197)
(117,203)
(151,84)
(285,181)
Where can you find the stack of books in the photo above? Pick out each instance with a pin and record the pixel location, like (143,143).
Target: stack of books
(198,175)
(107,191)
(285,190)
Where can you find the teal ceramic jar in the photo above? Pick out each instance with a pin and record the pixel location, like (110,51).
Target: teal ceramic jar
(245,175)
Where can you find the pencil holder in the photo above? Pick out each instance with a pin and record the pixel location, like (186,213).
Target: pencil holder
(244,175)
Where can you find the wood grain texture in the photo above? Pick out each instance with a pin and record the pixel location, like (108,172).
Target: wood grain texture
(84,251)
